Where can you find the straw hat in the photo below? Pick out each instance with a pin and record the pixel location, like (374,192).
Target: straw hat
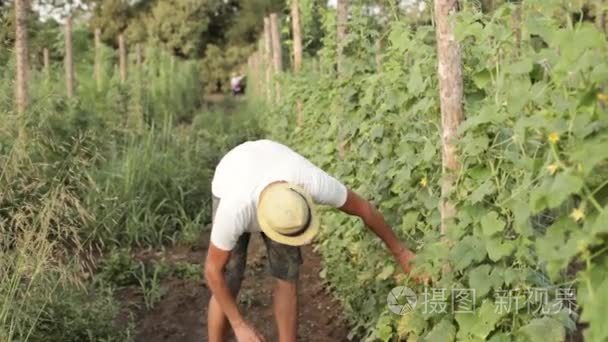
(287,215)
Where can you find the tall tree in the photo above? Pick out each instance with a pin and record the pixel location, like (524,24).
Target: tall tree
(112,17)
(180,26)
(451,94)
(21,54)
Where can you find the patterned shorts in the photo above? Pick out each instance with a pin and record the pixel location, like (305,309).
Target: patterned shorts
(283,261)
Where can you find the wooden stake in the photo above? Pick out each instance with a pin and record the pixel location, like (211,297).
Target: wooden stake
(297,54)
(516,23)
(21,55)
(451,96)
(46,60)
(97,66)
(69,59)
(138,55)
(600,15)
(122,55)
(341,30)
(277,56)
(378,47)
(267,60)
(297,35)
(342,21)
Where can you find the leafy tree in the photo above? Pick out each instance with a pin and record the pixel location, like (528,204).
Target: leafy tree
(112,17)
(181,26)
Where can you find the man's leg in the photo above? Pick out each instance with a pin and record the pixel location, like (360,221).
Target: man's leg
(285,304)
(284,262)
(217,323)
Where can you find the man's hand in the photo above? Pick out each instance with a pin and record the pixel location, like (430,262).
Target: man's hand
(373,219)
(246,333)
(404,258)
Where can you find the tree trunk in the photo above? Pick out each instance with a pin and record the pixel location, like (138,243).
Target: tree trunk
(97,66)
(46,61)
(267,59)
(297,35)
(451,94)
(21,54)
(69,59)
(122,55)
(342,22)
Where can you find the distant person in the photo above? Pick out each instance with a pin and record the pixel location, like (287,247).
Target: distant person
(237,84)
(263,186)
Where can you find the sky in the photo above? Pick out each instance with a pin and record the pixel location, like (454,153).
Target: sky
(58,13)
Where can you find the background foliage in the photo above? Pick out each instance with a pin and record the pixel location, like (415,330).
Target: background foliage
(121,165)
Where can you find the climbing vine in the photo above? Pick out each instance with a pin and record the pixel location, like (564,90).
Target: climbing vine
(531,193)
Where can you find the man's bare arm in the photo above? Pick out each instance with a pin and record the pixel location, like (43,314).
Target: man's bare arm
(373,219)
(214,274)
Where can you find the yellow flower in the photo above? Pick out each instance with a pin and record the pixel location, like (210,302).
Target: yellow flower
(602,97)
(552,168)
(553,137)
(577,214)
(424,182)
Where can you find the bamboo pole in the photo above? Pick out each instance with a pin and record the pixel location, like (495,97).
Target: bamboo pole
(122,54)
(69,58)
(21,55)
(451,96)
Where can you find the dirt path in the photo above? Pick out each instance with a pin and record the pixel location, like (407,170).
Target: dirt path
(181,313)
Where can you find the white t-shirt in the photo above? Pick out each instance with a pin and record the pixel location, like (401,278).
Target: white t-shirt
(246,170)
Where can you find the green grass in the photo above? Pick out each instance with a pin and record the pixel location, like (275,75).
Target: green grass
(119,166)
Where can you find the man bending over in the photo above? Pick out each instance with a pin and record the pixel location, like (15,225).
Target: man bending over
(263,186)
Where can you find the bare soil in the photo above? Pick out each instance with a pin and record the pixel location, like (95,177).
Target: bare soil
(181,313)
